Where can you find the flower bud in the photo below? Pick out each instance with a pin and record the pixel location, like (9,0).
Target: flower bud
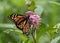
(28,3)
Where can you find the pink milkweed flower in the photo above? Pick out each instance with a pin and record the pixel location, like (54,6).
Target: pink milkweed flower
(35,19)
(30,13)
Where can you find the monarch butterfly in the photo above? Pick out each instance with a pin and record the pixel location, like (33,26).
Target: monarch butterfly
(22,22)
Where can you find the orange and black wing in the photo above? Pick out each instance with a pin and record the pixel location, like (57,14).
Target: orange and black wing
(24,25)
(16,18)
(22,22)
(26,28)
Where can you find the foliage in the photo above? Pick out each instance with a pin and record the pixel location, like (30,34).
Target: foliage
(48,31)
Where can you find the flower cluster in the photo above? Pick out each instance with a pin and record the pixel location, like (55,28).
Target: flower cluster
(29,13)
(35,19)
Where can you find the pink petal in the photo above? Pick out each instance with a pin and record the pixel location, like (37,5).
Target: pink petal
(30,13)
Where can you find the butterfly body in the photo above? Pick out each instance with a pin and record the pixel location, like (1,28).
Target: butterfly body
(22,22)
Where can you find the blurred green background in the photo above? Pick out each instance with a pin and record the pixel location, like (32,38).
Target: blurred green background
(48,30)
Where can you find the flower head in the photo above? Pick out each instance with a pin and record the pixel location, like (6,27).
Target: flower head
(35,19)
(30,13)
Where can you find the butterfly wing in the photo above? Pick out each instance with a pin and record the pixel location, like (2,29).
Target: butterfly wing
(26,29)
(21,25)
(16,18)
(22,22)
(24,25)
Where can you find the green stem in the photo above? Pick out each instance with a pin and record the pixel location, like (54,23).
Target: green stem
(34,36)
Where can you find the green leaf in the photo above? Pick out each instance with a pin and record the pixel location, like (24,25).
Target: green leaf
(39,10)
(55,40)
